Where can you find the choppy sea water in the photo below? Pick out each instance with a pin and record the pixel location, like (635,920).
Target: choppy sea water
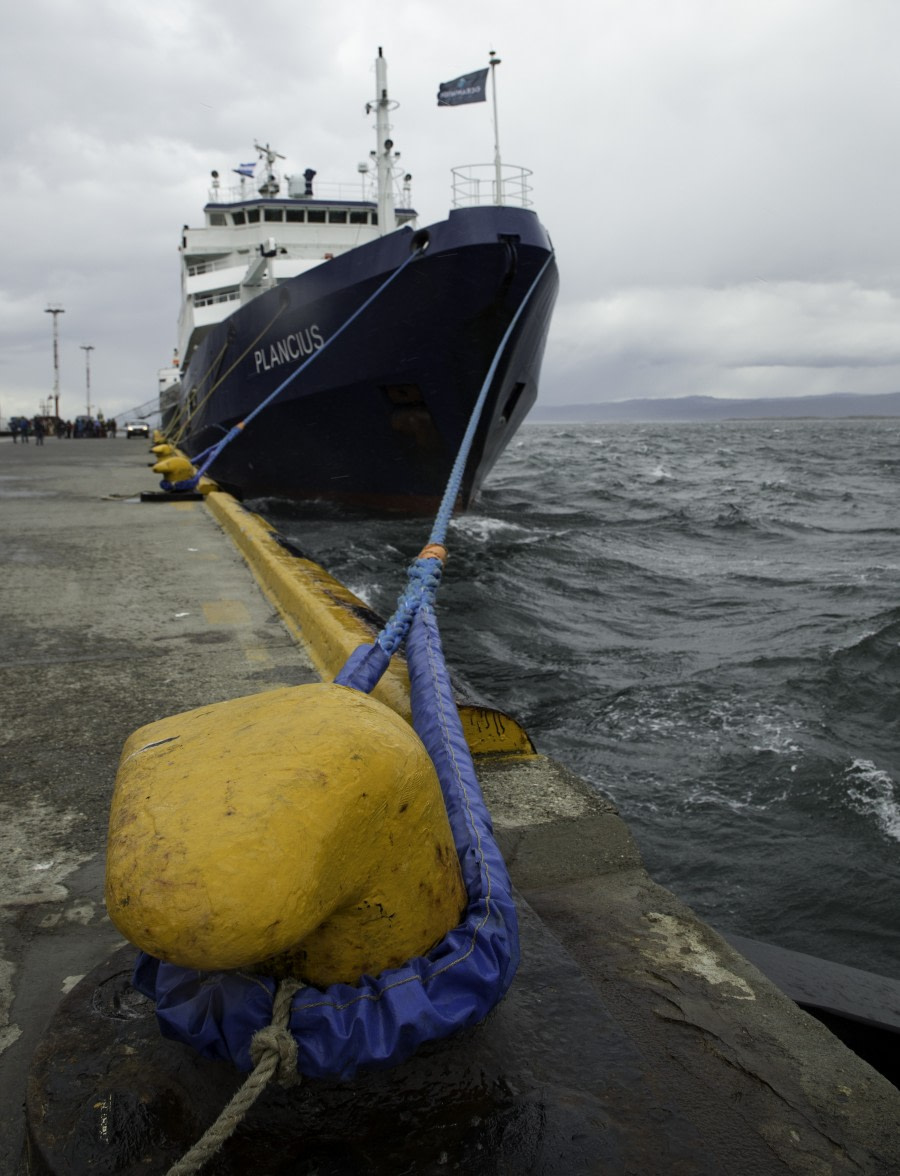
(704,622)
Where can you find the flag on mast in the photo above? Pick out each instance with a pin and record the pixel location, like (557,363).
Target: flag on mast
(245,169)
(471,87)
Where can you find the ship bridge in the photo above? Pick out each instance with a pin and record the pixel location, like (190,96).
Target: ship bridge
(251,241)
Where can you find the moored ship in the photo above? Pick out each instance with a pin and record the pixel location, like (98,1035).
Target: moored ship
(427,317)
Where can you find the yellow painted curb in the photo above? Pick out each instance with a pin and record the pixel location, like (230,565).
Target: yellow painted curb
(330,622)
(323,615)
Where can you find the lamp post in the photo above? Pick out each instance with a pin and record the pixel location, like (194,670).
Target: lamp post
(87,348)
(56,311)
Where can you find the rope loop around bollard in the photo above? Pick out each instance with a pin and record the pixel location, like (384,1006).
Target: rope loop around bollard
(490,923)
(274,1053)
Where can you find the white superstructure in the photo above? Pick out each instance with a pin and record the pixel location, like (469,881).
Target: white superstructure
(271,226)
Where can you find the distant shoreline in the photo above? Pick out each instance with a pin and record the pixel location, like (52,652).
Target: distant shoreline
(533,419)
(710,409)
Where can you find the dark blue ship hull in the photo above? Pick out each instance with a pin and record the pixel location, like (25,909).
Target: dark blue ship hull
(376,419)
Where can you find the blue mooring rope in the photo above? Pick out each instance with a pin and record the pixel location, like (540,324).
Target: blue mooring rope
(424,573)
(209,455)
(366,666)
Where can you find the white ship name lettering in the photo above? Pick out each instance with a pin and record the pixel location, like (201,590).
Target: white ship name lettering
(294,346)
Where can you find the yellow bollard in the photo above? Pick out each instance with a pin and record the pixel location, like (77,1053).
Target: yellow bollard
(174,469)
(301,831)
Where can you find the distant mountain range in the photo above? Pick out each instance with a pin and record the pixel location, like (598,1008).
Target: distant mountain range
(715,408)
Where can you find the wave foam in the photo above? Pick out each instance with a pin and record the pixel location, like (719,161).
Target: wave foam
(483,527)
(872,793)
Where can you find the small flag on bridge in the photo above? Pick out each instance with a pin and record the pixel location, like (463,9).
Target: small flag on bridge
(245,169)
(470,87)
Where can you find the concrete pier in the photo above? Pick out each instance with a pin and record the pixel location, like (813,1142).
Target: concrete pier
(114,613)
(634,1038)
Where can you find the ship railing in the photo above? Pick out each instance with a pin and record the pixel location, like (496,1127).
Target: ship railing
(207,267)
(477,183)
(212,299)
(294,188)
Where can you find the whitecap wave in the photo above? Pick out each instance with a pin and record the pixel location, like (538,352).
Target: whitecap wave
(367,593)
(483,527)
(747,802)
(871,792)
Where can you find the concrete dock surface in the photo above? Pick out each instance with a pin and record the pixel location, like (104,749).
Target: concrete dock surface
(633,1040)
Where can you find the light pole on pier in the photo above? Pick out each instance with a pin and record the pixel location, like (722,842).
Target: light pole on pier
(87,348)
(56,311)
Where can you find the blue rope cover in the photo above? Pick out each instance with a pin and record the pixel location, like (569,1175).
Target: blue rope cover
(381,1020)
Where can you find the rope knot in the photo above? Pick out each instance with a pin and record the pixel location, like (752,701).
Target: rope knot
(274,1054)
(280,1043)
(274,1043)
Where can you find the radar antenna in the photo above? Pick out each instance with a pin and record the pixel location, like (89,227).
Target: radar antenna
(269,185)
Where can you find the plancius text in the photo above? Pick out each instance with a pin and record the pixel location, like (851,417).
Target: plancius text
(294,346)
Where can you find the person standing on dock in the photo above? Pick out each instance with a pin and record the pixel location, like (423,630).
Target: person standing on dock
(38,431)
(23,428)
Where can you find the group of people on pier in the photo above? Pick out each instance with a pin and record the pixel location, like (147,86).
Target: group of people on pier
(39,427)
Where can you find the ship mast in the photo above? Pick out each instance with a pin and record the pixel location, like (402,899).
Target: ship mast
(498,164)
(383,148)
(269,185)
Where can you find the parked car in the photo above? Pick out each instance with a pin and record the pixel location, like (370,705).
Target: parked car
(137,429)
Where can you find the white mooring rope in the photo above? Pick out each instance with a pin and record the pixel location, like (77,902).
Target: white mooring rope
(274,1052)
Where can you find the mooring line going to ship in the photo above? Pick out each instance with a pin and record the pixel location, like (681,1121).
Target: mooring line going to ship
(423,575)
(184,416)
(189,416)
(206,458)
(488,933)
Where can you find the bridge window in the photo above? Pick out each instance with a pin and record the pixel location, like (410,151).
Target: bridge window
(295,215)
(274,214)
(239,218)
(337,218)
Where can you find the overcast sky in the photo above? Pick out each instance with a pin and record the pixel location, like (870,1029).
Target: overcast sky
(719,177)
